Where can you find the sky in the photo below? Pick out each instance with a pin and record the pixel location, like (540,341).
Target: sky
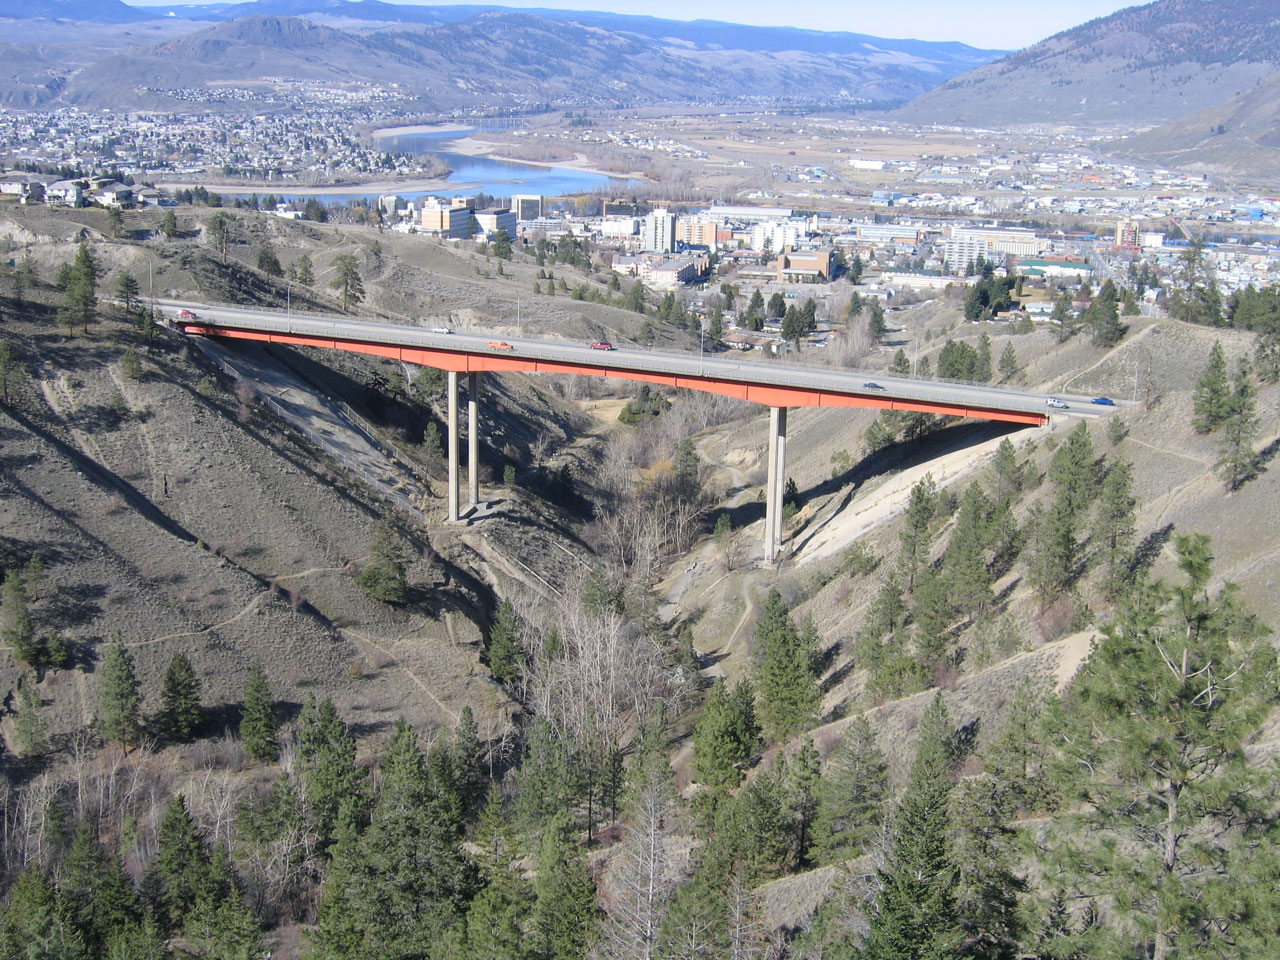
(996,24)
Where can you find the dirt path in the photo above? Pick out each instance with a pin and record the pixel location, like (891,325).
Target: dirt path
(1107,357)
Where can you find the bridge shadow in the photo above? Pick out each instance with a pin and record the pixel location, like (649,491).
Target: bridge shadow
(894,458)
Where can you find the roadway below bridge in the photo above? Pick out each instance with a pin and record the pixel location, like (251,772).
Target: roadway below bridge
(777,384)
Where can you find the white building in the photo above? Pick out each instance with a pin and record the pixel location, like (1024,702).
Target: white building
(658,232)
(775,235)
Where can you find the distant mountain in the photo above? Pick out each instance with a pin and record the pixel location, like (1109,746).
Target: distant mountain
(464,57)
(92,11)
(1144,66)
(1241,136)
(703,34)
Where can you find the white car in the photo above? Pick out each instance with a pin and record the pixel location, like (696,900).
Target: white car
(441,330)
(1057,404)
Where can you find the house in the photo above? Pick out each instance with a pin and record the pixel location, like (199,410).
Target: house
(68,192)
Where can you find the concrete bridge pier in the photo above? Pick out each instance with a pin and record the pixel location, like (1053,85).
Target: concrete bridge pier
(776,483)
(451,391)
(473,438)
(473,442)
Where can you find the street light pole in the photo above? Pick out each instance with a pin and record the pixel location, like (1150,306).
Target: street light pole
(288,304)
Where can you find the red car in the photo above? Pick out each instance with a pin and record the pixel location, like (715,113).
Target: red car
(186,315)
(602,345)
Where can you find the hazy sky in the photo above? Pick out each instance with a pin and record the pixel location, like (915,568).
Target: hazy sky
(1001,24)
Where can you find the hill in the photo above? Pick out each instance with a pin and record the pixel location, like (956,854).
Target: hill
(466,57)
(1141,66)
(1240,136)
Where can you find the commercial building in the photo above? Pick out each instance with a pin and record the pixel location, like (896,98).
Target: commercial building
(806,266)
(527,206)
(493,219)
(446,219)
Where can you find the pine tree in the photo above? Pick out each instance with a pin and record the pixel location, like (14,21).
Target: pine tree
(1238,463)
(1113,528)
(383,578)
(405,882)
(1075,471)
(99,896)
(915,911)
(18,629)
(1212,396)
(788,691)
(180,714)
(258,723)
(180,871)
(801,777)
(564,913)
(506,653)
(984,849)
(346,280)
(1164,808)
(1008,472)
(726,735)
(984,367)
(499,914)
(851,796)
(118,701)
(29,727)
(965,562)
(335,786)
(915,536)
(1054,549)
(306,273)
(1009,362)
(466,751)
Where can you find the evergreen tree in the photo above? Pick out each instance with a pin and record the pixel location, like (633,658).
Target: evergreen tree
(1213,392)
(466,751)
(985,366)
(180,870)
(180,713)
(99,896)
(335,786)
(564,914)
(1113,528)
(346,280)
(79,301)
(499,914)
(29,727)
(777,307)
(549,778)
(268,262)
(258,723)
(1009,362)
(1054,549)
(506,653)
(306,272)
(965,562)
(788,691)
(915,911)
(18,629)
(127,291)
(36,925)
(876,326)
(887,612)
(726,735)
(851,796)
(984,849)
(1075,471)
(915,536)
(118,701)
(1164,813)
(801,777)
(169,225)
(383,578)
(1238,462)
(404,882)
(901,365)
(1008,472)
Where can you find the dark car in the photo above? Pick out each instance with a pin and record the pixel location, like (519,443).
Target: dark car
(1104,401)
(872,386)
(602,345)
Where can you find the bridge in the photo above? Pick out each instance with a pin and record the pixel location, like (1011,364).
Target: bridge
(775,385)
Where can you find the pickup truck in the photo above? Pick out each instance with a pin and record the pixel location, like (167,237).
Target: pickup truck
(500,345)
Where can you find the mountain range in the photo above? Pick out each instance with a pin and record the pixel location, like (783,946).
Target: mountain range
(450,57)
